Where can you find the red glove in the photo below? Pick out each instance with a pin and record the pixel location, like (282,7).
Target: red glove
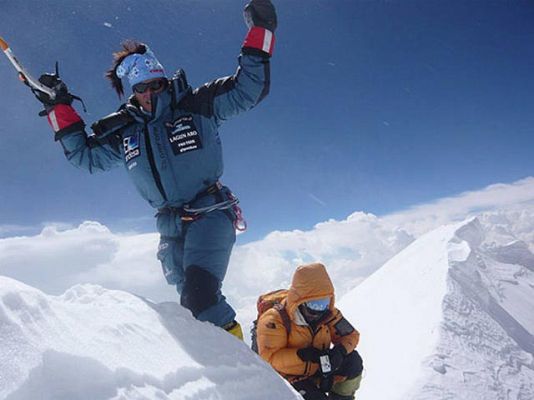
(62,116)
(260,17)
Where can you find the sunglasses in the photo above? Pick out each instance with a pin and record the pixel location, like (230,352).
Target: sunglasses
(318,305)
(153,85)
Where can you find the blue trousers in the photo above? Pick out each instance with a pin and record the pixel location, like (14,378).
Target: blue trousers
(194,257)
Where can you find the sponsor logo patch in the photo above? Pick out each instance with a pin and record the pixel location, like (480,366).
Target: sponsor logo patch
(131,147)
(183,135)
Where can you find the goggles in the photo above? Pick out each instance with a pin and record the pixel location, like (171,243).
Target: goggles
(318,305)
(155,86)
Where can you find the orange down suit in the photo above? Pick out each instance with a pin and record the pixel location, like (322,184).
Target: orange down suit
(280,350)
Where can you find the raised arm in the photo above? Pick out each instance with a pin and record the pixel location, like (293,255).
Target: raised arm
(82,151)
(226,97)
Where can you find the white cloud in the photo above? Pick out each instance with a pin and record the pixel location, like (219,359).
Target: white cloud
(422,218)
(55,259)
(357,245)
(60,257)
(50,257)
(354,248)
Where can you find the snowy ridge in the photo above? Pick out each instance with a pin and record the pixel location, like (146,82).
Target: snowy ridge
(487,344)
(93,343)
(450,317)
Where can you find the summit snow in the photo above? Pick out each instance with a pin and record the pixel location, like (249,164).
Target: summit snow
(93,343)
(449,315)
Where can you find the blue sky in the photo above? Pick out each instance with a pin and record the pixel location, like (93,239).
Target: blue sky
(374,106)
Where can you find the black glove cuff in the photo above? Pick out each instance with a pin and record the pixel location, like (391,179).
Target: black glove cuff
(340,348)
(76,127)
(250,51)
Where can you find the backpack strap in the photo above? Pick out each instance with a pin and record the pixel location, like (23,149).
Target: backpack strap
(285,316)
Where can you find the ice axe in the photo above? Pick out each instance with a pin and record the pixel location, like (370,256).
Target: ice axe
(24,75)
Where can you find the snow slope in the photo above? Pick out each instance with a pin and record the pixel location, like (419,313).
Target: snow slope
(450,317)
(92,343)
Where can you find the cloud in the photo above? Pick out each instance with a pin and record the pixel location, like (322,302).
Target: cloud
(424,217)
(50,258)
(61,256)
(56,259)
(358,244)
(356,247)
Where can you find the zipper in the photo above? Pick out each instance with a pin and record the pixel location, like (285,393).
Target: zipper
(152,162)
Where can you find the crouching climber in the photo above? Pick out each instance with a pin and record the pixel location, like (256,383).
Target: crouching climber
(307,340)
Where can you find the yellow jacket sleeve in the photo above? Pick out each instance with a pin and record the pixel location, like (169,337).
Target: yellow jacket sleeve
(342,332)
(273,342)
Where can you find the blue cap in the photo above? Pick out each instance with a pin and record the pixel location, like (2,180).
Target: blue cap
(140,67)
(319,304)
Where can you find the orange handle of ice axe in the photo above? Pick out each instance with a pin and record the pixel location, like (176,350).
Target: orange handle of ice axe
(23,73)
(3,44)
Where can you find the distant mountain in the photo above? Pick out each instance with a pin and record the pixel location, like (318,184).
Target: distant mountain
(452,315)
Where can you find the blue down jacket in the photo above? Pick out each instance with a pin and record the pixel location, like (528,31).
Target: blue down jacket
(175,152)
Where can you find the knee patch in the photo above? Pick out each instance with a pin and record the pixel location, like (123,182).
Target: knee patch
(199,290)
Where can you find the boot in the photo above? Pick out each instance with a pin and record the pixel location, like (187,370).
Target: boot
(234,328)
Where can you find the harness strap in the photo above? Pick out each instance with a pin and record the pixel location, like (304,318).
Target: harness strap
(285,316)
(221,205)
(214,189)
(188,214)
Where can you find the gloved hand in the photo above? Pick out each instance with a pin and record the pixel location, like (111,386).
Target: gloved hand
(310,354)
(61,115)
(58,86)
(337,354)
(260,13)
